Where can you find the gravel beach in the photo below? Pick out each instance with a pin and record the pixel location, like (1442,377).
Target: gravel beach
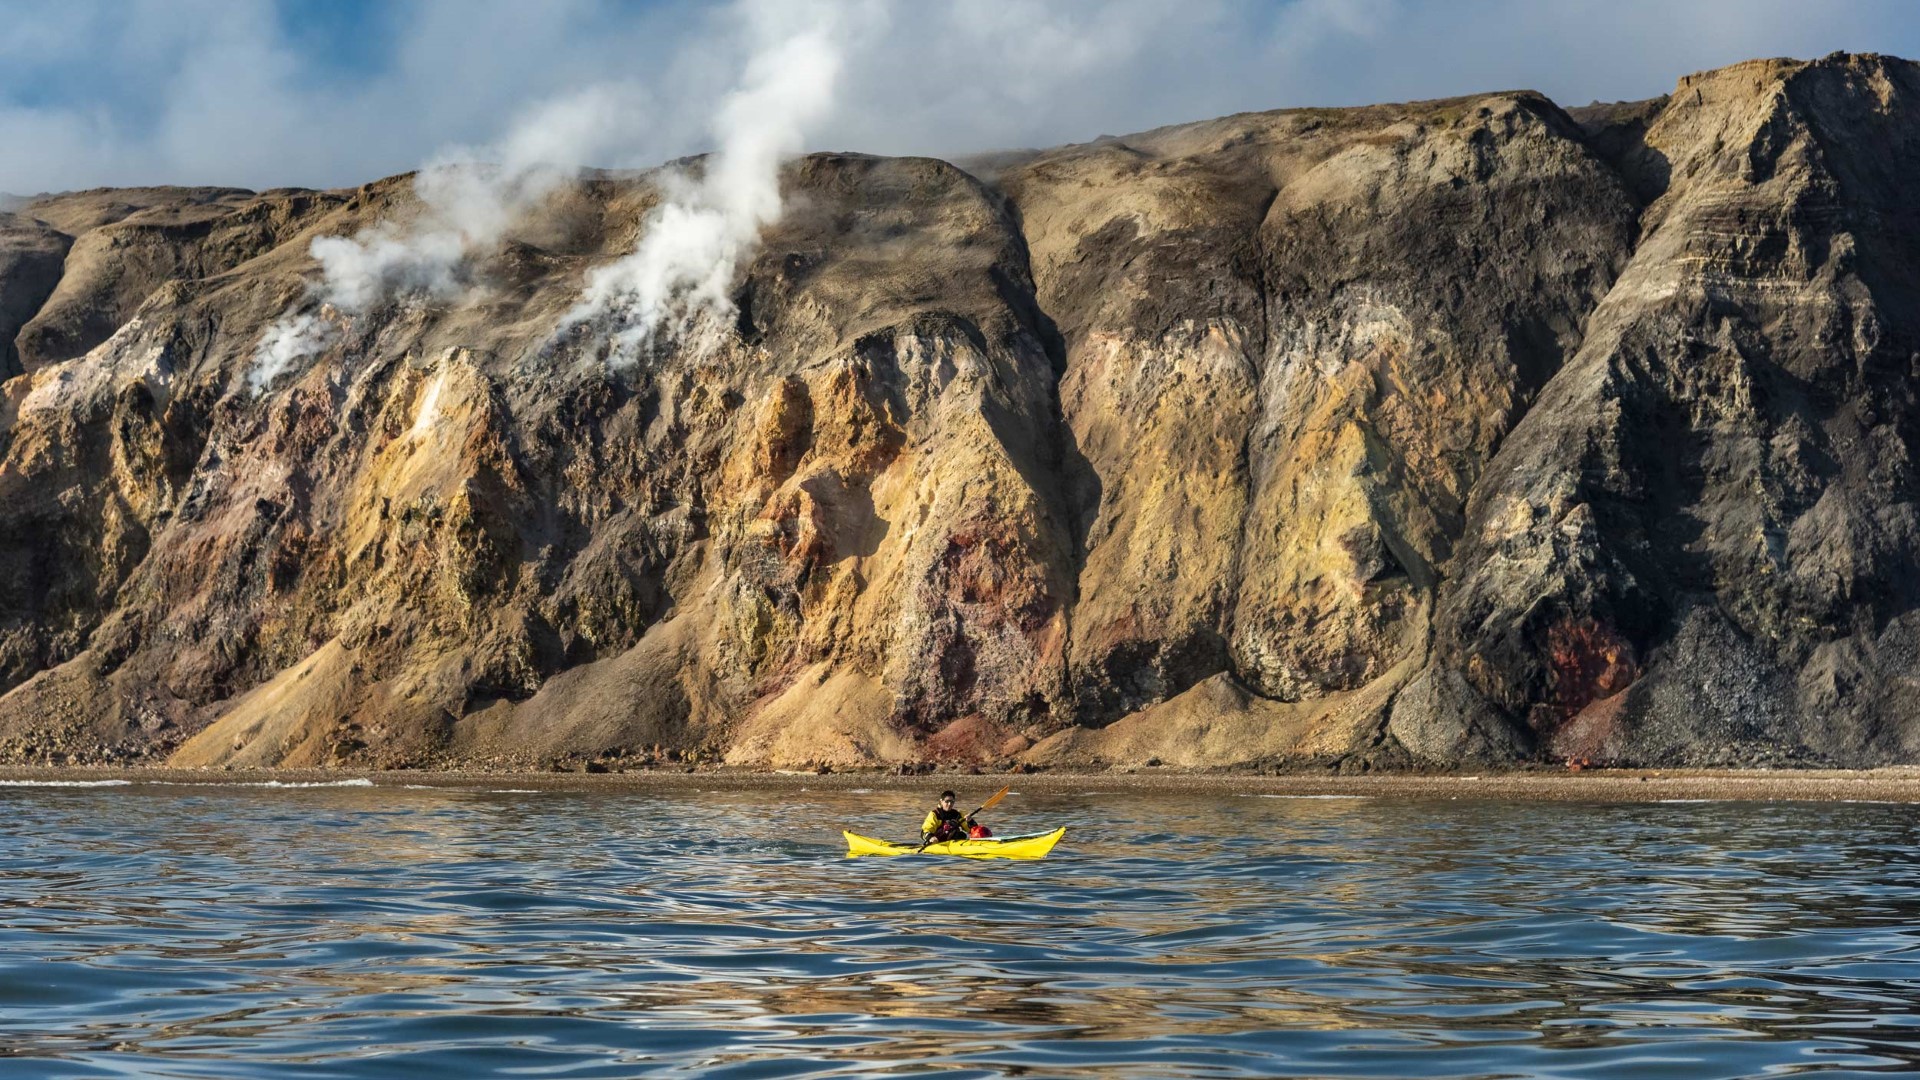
(1899,785)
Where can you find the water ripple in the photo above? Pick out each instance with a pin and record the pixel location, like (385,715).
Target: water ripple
(364,932)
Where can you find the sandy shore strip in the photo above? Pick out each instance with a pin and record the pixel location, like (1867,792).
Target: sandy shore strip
(1892,785)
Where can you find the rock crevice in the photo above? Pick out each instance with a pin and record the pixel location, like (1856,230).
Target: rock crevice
(1469,431)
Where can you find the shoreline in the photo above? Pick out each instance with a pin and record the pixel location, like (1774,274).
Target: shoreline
(1900,784)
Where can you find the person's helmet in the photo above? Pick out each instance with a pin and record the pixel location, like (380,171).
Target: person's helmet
(978,832)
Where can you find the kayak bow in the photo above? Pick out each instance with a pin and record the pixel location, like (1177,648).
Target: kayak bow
(1033,846)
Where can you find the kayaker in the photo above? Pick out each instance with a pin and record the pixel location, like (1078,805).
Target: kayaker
(945,822)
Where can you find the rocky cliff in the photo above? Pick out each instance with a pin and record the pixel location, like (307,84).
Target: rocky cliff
(1459,432)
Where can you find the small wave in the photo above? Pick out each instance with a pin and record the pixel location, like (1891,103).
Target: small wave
(1262,795)
(64,783)
(356,782)
(483,791)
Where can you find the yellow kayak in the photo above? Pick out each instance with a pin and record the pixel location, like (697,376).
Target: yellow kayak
(1034,846)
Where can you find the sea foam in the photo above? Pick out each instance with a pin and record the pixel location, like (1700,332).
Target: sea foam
(64,783)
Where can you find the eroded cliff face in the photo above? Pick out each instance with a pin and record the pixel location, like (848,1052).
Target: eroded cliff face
(1456,432)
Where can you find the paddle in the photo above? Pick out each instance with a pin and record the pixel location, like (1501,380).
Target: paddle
(985,806)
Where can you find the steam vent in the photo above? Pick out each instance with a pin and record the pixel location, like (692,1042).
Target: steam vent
(1463,432)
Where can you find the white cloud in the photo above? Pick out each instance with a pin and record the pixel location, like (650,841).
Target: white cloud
(214,91)
(97,92)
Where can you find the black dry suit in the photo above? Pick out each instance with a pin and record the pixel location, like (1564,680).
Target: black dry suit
(943,824)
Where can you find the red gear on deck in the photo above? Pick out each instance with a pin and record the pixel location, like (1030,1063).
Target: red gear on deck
(978,832)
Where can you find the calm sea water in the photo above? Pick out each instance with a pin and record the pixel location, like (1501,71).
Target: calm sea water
(388,932)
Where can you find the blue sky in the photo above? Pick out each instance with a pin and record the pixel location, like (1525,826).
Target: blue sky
(261,93)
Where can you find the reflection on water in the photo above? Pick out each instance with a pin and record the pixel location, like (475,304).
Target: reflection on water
(375,932)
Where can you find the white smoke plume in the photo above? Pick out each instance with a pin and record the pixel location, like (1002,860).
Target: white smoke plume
(678,278)
(469,200)
(295,337)
(676,283)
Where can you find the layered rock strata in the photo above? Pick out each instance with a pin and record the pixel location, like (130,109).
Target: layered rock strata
(1461,432)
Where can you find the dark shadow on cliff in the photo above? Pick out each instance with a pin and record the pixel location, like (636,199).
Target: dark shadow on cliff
(1616,133)
(1076,488)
